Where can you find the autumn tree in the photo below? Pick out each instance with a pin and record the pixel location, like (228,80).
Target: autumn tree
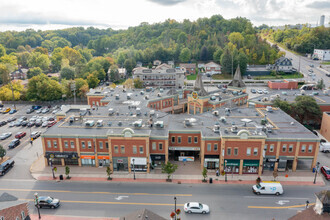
(185,55)
(35,71)
(6,91)
(92,80)
(67,73)
(42,88)
(38,59)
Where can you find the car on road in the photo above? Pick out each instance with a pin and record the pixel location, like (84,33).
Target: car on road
(29,111)
(35,134)
(311,65)
(253,91)
(6,135)
(14,143)
(266,187)
(249,77)
(48,202)
(11,119)
(310,74)
(2,123)
(6,110)
(5,166)
(196,207)
(12,111)
(327,74)
(259,91)
(326,172)
(20,135)
(310,70)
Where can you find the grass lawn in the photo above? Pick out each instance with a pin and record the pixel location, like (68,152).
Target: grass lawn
(221,76)
(326,63)
(191,77)
(286,76)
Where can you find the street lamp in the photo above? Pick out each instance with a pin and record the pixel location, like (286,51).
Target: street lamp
(134,167)
(316,169)
(51,165)
(175,207)
(225,171)
(37,204)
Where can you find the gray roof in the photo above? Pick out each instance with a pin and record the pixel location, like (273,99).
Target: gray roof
(8,200)
(199,87)
(142,214)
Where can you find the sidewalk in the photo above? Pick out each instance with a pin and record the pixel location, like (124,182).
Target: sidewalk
(64,217)
(42,173)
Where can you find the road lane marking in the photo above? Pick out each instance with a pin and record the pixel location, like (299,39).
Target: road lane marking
(282,207)
(282,202)
(261,197)
(121,197)
(112,203)
(81,192)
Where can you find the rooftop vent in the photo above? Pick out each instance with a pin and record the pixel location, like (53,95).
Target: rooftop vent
(152,112)
(258,129)
(226,130)
(269,109)
(109,123)
(99,123)
(159,95)
(111,111)
(189,121)
(269,128)
(138,123)
(161,90)
(234,129)
(213,98)
(216,128)
(142,93)
(124,90)
(223,119)
(138,111)
(227,110)
(265,99)
(129,95)
(159,124)
(284,93)
(146,97)
(117,96)
(292,123)
(216,113)
(120,123)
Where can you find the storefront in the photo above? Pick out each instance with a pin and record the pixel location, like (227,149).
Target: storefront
(139,164)
(157,159)
(250,166)
(211,162)
(176,152)
(87,160)
(103,160)
(120,163)
(232,166)
(54,158)
(269,163)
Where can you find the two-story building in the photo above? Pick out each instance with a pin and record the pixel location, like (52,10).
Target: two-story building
(212,68)
(188,68)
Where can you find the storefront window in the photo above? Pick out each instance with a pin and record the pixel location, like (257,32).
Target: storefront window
(70,161)
(250,166)
(88,162)
(232,166)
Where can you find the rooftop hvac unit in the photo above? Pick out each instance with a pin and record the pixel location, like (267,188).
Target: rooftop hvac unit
(213,98)
(159,124)
(152,112)
(269,128)
(109,123)
(234,129)
(264,99)
(161,90)
(124,90)
(117,96)
(284,93)
(111,111)
(99,123)
(223,119)
(142,93)
(120,123)
(159,95)
(129,96)
(258,129)
(146,97)
(89,123)
(138,111)
(216,128)
(269,109)
(326,91)
(226,131)
(227,110)
(187,122)
(216,113)
(138,123)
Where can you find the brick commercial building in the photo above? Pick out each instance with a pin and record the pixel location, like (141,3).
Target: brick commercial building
(136,128)
(325,126)
(283,84)
(12,208)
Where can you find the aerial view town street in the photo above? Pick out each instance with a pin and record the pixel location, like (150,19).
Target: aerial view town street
(165,109)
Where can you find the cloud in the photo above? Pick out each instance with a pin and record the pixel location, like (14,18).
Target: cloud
(167,2)
(319,5)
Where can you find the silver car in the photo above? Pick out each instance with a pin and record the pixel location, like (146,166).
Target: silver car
(4,136)
(196,207)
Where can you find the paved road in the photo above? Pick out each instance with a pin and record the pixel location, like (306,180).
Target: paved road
(304,64)
(117,199)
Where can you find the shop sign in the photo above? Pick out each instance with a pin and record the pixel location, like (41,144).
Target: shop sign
(272,160)
(232,163)
(139,161)
(252,163)
(62,155)
(103,157)
(87,157)
(185,148)
(186,158)
(211,160)
(157,157)
(120,161)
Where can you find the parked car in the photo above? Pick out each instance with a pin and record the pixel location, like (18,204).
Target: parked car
(11,119)
(51,118)
(38,111)
(196,207)
(24,123)
(23,118)
(31,124)
(253,91)
(5,166)
(48,202)
(51,123)
(20,135)
(36,107)
(4,136)
(259,91)
(38,123)
(14,143)
(6,110)
(18,123)
(327,74)
(311,65)
(12,124)
(44,124)
(45,110)
(2,123)
(326,172)
(249,77)
(265,91)
(35,134)
(55,111)
(29,111)
(12,111)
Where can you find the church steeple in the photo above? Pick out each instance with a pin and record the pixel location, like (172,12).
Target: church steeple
(199,88)
(237,81)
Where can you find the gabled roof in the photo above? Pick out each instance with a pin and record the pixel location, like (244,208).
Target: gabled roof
(142,214)
(163,66)
(212,64)
(188,65)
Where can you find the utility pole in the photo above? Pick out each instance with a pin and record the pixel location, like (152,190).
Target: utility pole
(12,91)
(232,65)
(73,88)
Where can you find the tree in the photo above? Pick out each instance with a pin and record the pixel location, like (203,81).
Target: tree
(236,38)
(217,55)
(67,172)
(263,58)
(283,105)
(39,60)
(129,64)
(128,84)
(169,169)
(320,84)
(306,108)
(185,55)
(2,152)
(114,74)
(35,71)
(226,61)
(42,88)
(204,173)
(92,80)
(23,58)
(2,50)
(67,73)
(138,84)
(109,172)
(81,87)
(204,54)
(72,55)
(242,61)
(9,59)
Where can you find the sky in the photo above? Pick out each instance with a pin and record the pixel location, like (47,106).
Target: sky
(121,14)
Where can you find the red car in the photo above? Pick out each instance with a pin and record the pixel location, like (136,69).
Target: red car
(51,123)
(326,172)
(19,135)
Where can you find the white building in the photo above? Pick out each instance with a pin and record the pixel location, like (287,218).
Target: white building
(321,54)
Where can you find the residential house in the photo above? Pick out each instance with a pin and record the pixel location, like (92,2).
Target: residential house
(188,68)
(282,64)
(122,73)
(157,62)
(321,54)
(171,63)
(138,64)
(19,74)
(200,66)
(212,68)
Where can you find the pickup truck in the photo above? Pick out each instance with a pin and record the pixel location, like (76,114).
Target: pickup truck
(5,166)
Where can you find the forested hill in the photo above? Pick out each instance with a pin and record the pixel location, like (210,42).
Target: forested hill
(205,39)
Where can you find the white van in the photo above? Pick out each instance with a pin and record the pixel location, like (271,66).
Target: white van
(325,147)
(268,187)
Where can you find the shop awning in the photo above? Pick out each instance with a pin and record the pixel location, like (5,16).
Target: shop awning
(87,157)
(253,163)
(139,161)
(233,163)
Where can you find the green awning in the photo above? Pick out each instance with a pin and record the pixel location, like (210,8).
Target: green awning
(232,162)
(254,163)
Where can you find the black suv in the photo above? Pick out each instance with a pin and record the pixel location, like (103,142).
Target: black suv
(47,201)
(5,166)
(14,143)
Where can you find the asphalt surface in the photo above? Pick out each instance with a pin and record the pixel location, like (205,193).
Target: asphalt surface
(117,199)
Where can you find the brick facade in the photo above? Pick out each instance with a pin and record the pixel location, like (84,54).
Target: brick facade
(20,211)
